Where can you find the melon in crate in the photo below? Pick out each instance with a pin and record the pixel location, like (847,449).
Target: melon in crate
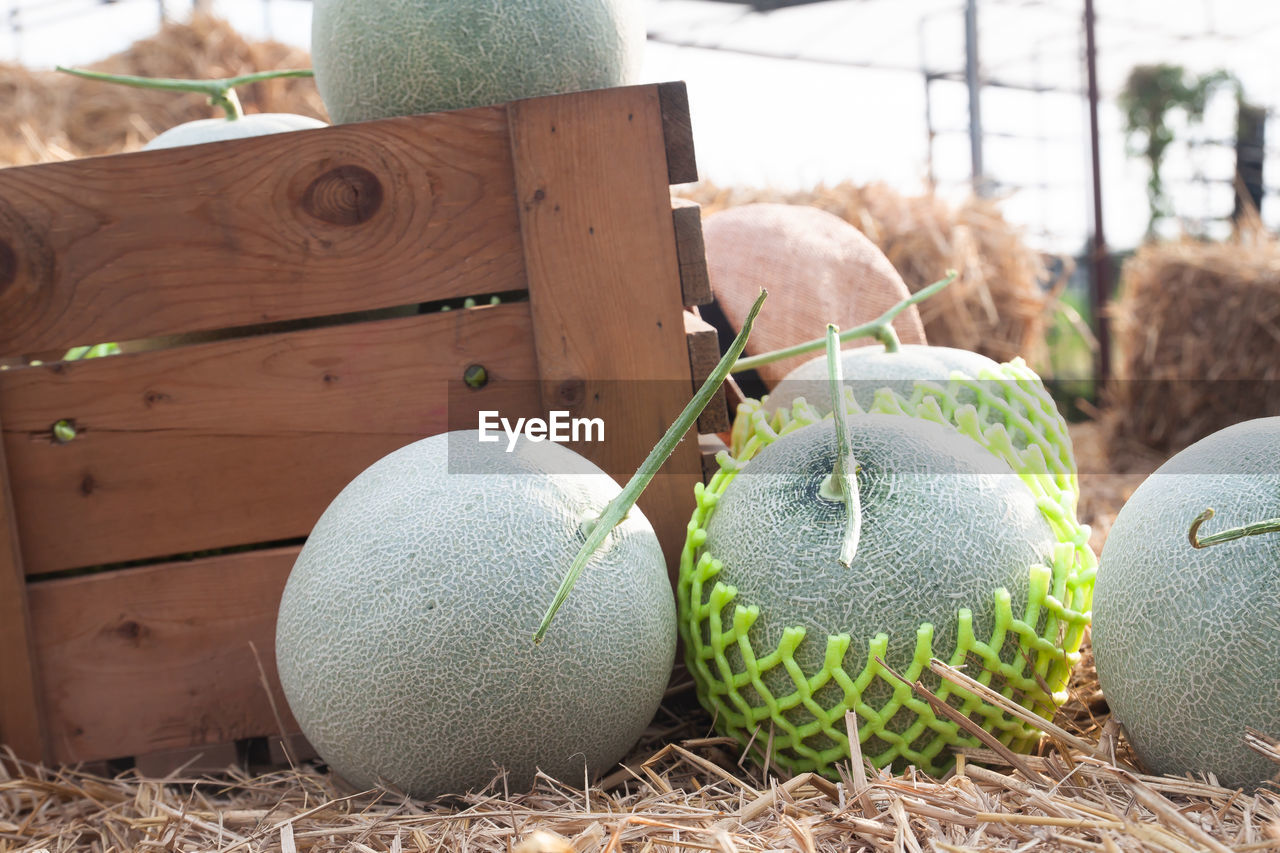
(380,58)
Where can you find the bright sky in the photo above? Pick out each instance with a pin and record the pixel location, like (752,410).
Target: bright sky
(793,123)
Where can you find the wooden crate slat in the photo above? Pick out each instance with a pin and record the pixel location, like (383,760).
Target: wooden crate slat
(244,441)
(159,657)
(20,713)
(592,182)
(691,251)
(677,130)
(259,230)
(710,446)
(704,356)
(188,762)
(293,749)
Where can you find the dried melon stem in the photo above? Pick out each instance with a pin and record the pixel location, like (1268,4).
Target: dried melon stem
(881,328)
(619,507)
(221,91)
(1271,525)
(842,483)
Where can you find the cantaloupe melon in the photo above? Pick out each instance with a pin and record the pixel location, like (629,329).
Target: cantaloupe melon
(1186,640)
(218,129)
(968,552)
(380,58)
(404,638)
(868,368)
(932,382)
(819,268)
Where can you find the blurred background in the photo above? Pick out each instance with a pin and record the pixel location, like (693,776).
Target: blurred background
(912,93)
(1103,173)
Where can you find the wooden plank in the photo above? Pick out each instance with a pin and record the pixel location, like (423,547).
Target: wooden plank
(704,355)
(240,441)
(310,223)
(691,252)
(677,130)
(161,657)
(709,445)
(188,762)
(20,714)
(595,212)
(294,749)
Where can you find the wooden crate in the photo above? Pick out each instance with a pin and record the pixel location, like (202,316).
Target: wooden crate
(117,638)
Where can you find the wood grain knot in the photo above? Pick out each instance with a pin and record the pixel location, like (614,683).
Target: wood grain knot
(28,267)
(571,392)
(8,265)
(131,632)
(344,195)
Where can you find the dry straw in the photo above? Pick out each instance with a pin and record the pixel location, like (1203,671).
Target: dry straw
(1197,332)
(47,116)
(684,789)
(1001,299)
(680,791)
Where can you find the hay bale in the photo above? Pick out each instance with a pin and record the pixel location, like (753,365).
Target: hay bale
(47,116)
(818,269)
(1197,338)
(27,100)
(998,304)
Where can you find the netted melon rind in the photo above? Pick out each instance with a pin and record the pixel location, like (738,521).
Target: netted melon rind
(1011,396)
(1029,656)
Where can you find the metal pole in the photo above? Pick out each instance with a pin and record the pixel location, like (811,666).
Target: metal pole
(975,93)
(1099,256)
(927,76)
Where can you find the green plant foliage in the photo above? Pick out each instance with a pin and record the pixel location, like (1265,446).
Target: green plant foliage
(95,351)
(1149,96)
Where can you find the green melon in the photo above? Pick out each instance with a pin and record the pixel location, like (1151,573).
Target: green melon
(868,368)
(965,555)
(1186,640)
(939,383)
(218,129)
(380,58)
(404,639)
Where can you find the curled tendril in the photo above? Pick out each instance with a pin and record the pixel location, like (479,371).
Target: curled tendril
(1271,525)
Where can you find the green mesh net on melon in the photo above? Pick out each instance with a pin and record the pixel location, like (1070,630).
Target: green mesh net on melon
(1028,656)
(1011,395)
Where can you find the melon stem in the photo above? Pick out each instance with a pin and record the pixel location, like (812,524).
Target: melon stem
(1271,525)
(617,509)
(842,484)
(221,91)
(889,338)
(880,328)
